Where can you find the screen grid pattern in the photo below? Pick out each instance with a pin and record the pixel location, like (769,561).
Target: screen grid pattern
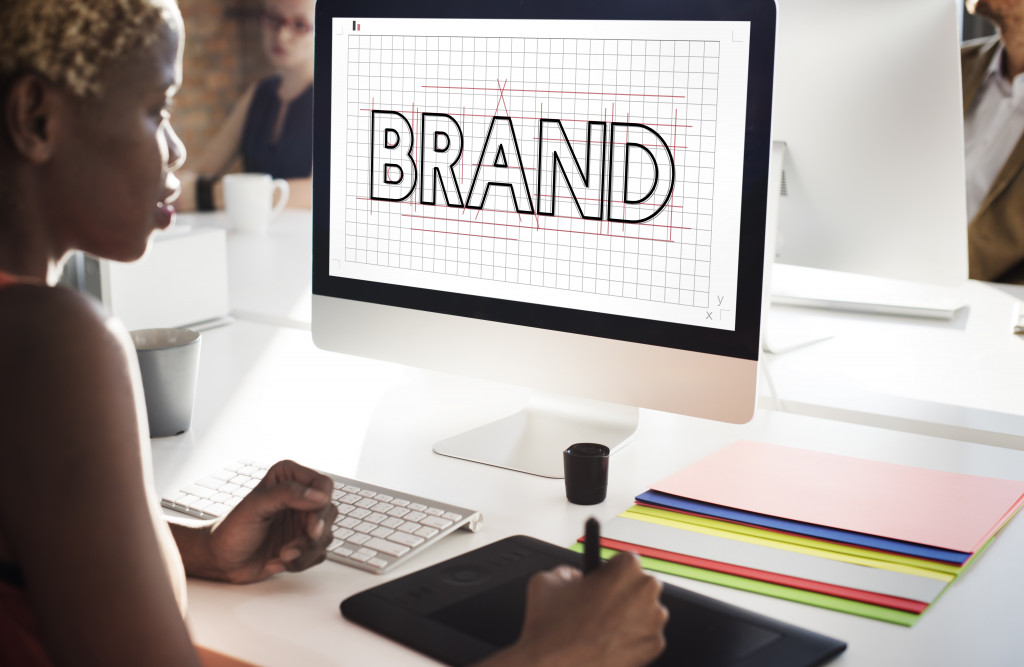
(669,86)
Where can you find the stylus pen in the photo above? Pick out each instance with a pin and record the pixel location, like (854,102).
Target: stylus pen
(591,546)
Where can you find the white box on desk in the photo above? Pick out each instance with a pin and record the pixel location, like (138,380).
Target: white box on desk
(181,281)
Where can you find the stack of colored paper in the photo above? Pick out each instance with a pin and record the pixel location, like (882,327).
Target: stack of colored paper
(865,537)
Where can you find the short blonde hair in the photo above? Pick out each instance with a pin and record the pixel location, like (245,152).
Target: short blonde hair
(72,42)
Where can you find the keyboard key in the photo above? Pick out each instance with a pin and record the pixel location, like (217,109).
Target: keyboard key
(427,532)
(365,527)
(359,538)
(436,522)
(377,562)
(418,507)
(409,527)
(434,511)
(218,509)
(390,548)
(452,516)
(202,503)
(414,516)
(406,539)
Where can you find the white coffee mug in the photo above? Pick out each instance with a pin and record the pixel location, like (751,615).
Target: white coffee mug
(249,200)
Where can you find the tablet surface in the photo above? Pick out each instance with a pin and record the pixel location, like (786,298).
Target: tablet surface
(464,609)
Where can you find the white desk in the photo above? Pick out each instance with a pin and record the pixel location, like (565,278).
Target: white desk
(962,378)
(266,392)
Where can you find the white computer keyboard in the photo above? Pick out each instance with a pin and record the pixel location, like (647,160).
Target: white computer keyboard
(377,528)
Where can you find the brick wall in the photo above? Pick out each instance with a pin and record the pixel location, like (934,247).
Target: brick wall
(223,54)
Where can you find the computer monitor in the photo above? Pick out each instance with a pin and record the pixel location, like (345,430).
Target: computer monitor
(868,103)
(568,197)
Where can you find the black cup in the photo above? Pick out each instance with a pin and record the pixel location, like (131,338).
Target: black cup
(586,473)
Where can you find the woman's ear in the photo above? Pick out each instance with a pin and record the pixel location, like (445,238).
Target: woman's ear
(29,114)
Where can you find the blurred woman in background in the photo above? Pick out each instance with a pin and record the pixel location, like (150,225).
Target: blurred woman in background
(271,125)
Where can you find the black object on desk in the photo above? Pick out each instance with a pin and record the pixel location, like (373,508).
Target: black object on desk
(586,473)
(464,609)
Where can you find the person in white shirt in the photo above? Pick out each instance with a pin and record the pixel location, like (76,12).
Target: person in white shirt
(993,87)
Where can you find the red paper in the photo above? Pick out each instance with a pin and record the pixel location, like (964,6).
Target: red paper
(903,604)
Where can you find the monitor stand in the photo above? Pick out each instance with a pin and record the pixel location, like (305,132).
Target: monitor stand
(532,439)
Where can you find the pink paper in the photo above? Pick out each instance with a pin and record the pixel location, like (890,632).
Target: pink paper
(939,509)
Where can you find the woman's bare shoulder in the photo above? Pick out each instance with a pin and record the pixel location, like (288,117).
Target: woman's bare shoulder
(65,368)
(52,325)
(37,310)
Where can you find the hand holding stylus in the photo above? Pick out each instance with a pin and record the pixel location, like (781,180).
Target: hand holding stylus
(613,617)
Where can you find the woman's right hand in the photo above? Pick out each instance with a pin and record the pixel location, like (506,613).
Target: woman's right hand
(612,617)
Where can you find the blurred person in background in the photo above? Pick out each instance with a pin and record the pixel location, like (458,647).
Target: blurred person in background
(993,84)
(271,125)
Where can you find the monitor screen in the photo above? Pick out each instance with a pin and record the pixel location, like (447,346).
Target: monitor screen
(488,173)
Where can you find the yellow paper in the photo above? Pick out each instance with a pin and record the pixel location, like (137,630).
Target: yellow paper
(839,552)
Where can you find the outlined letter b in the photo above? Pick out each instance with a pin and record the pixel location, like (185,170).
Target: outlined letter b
(392,168)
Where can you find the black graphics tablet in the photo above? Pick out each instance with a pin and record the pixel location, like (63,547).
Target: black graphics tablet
(464,609)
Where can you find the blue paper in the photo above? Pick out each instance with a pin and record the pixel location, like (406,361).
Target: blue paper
(677,503)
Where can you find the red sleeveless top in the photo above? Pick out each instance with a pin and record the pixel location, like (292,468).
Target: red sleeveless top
(8,279)
(19,636)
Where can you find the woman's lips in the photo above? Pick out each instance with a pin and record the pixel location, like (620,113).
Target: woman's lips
(164,215)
